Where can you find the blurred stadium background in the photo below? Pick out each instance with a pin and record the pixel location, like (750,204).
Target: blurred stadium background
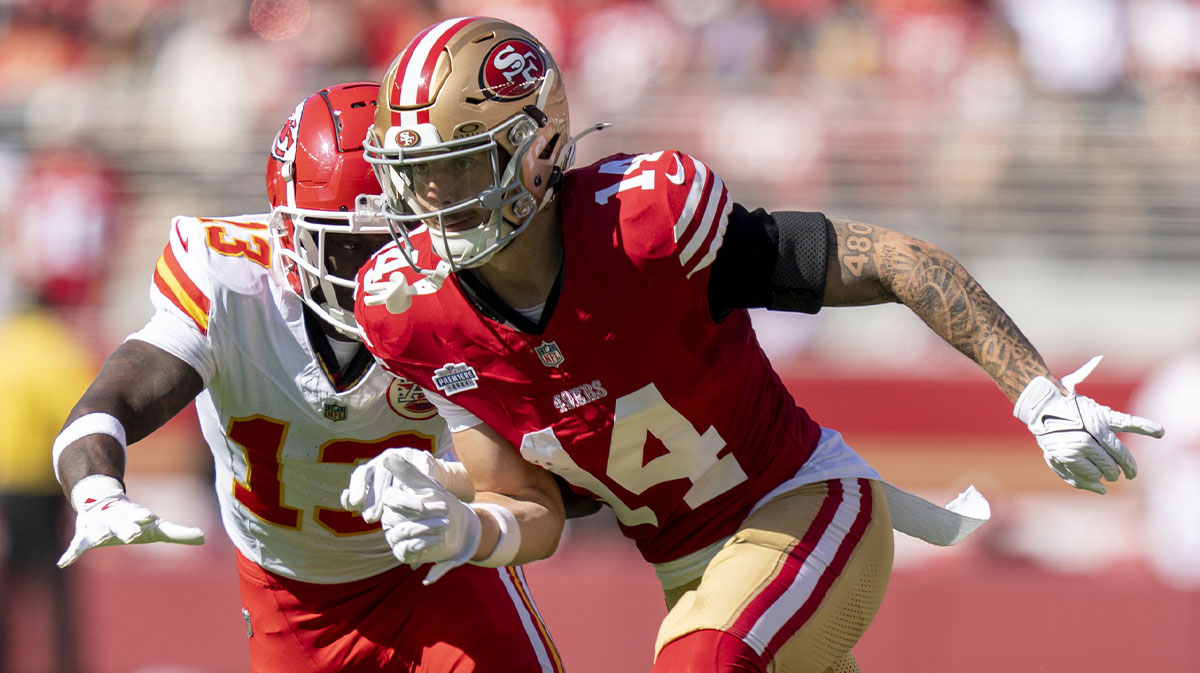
(1052,145)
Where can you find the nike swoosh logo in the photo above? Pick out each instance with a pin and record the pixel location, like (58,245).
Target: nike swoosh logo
(1055,423)
(677,176)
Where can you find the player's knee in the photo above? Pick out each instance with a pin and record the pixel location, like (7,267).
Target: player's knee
(710,651)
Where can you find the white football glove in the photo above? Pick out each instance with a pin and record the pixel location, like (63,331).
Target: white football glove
(369,481)
(106,517)
(1078,435)
(425,523)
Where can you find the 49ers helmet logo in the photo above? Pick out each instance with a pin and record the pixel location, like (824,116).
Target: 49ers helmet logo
(512,70)
(407,138)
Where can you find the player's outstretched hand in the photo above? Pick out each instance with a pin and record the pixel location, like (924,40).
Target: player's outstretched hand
(106,517)
(425,523)
(1077,434)
(370,480)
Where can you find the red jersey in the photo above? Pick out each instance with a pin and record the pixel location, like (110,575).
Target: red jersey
(632,392)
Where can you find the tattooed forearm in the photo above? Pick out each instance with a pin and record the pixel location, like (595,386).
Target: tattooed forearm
(876,264)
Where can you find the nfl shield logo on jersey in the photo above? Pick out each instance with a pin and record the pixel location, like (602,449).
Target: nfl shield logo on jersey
(335,411)
(549,353)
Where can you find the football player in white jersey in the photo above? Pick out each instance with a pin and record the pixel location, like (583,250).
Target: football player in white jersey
(254,320)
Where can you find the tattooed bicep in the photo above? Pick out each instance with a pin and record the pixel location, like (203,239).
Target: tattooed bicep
(856,247)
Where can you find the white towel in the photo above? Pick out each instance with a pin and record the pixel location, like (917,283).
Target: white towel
(942,526)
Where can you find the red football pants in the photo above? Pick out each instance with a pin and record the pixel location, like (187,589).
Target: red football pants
(473,620)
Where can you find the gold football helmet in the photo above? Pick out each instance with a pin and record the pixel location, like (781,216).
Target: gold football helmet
(471,136)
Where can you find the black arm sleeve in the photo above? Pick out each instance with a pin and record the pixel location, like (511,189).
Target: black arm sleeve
(770,260)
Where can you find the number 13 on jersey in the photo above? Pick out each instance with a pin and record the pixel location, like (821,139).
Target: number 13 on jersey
(638,416)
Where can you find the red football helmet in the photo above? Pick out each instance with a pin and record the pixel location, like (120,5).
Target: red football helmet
(315,174)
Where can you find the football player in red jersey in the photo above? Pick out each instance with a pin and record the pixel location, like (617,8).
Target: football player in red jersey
(592,323)
(254,320)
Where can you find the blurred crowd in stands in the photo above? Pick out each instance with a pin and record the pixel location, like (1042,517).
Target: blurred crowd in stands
(968,120)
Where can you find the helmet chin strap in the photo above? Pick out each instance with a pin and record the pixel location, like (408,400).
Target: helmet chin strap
(566,157)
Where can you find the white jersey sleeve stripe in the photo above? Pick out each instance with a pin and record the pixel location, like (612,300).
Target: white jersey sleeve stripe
(693,200)
(715,197)
(715,246)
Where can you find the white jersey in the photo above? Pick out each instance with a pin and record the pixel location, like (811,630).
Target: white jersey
(284,437)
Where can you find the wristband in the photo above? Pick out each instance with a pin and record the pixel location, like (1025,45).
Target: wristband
(92,488)
(97,423)
(509,541)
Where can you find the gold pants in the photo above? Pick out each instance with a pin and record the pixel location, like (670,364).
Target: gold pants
(799,582)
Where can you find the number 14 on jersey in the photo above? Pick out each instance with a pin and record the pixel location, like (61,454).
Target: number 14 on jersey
(639,415)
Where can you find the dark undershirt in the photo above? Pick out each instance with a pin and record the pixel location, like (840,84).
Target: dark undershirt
(343,375)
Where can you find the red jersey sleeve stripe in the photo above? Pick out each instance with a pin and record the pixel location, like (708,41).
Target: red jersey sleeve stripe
(716,234)
(693,200)
(686,240)
(175,285)
(707,221)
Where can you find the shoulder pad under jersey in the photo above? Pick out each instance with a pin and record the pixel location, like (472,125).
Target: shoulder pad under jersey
(671,205)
